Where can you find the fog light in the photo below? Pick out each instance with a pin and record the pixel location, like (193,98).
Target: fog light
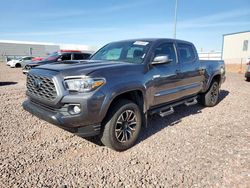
(74,109)
(77,109)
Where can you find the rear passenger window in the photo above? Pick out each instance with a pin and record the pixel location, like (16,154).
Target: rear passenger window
(186,53)
(166,49)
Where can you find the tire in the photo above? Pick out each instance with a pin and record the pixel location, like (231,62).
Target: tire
(248,79)
(18,65)
(211,97)
(122,126)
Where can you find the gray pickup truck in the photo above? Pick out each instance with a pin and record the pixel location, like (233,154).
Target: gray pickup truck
(113,93)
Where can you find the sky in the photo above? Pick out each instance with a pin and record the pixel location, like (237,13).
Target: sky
(97,22)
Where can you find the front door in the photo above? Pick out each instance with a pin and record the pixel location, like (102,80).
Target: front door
(165,76)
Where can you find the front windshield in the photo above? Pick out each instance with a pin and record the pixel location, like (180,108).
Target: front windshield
(128,51)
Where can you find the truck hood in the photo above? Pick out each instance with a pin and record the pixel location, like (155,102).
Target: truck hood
(37,63)
(67,68)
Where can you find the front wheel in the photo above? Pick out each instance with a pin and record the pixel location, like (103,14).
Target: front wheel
(211,97)
(122,126)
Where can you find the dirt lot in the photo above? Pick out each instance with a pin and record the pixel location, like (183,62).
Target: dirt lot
(195,147)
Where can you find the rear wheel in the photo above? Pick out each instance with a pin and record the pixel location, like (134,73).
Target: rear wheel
(122,126)
(211,97)
(248,79)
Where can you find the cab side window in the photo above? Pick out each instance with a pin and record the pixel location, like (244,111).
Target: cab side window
(27,58)
(86,56)
(66,57)
(78,57)
(166,49)
(186,53)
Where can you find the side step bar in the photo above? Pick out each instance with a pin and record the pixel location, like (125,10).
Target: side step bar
(191,102)
(166,113)
(169,109)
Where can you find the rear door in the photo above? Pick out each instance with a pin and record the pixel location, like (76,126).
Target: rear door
(165,77)
(191,74)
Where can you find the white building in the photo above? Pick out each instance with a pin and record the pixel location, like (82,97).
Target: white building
(236,47)
(212,55)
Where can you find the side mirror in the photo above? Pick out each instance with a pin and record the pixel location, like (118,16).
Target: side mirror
(161,60)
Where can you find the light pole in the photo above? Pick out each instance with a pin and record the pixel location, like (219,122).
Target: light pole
(175,18)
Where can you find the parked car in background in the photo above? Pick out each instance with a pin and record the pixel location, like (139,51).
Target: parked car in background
(113,93)
(10,59)
(7,59)
(24,63)
(59,56)
(18,62)
(37,59)
(247,74)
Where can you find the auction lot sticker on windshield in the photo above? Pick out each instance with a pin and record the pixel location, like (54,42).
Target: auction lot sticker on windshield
(141,43)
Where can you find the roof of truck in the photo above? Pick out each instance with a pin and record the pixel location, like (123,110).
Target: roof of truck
(154,40)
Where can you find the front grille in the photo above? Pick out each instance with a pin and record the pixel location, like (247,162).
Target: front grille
(41,87)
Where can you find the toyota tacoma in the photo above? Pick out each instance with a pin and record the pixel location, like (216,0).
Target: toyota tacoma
(112,94)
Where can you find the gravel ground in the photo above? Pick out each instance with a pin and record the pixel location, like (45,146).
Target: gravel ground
(195,147)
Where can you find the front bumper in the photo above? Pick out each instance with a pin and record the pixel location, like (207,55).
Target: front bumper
(25,71)
(12,65)
(58,117)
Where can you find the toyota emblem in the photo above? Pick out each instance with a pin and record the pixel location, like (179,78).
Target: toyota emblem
(37,83)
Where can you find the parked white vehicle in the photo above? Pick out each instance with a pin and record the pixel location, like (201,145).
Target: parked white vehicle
(17,62)
(12,62)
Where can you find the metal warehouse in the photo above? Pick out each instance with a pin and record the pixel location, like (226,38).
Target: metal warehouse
(22,48)
(9,48)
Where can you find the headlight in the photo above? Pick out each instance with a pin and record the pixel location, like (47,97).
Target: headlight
(83,84)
